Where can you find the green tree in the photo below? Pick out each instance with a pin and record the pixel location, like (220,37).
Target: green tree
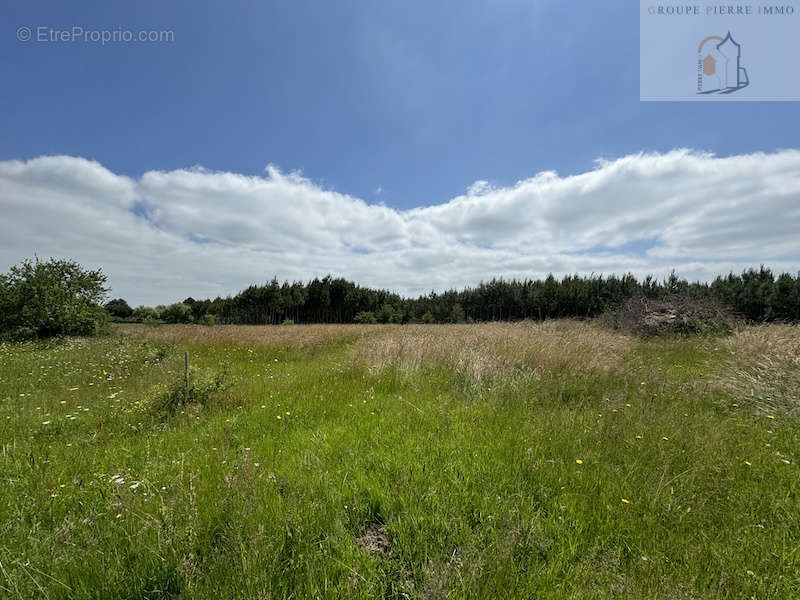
(119,309)
(457,314)
(41,299)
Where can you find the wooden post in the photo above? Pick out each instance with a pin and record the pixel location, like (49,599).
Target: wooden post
(186,378)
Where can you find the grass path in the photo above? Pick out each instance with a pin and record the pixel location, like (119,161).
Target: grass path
(317,474)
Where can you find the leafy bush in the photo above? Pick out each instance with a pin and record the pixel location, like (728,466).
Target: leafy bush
(144,313)
(673,315)
(40,299)
(366,316)
(208,320)
(177,313)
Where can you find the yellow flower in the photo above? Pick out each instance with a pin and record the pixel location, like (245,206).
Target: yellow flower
(263,406)
(69,444)
(625,501)
(770,416)
(665,438)
(579,461)
(63,485)
(119,516)
(288,413)
(279,417)
(72,389)
(748,463)
(54,495)
(642,383)
(63,402)
(638,437)
(628,405)
(22,395)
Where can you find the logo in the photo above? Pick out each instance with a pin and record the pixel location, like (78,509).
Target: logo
(719,68)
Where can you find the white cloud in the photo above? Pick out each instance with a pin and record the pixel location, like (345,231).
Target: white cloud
(167,235)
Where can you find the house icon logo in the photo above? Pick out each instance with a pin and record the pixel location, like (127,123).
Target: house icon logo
(719,68)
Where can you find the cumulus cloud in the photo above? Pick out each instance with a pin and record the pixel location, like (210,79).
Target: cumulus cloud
(170,234)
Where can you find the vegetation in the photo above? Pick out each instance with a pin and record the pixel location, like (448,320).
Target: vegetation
(514,460)
(755,295)
(40,299)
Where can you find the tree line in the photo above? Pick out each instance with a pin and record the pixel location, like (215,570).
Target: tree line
(755,294)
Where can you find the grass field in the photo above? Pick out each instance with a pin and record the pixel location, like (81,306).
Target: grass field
(554,460)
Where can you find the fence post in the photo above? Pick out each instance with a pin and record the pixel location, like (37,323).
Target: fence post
(186,378)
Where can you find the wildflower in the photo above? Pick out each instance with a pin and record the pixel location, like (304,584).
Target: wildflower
(63,402)
(638,437)
(748,463)
(227,420)
(54,495)
(69,444)
(625,501)
(770,416)
(642,383)
(119,516)
(263,406)
(22,395)
(72,389)
(665,438)
(628,405)
(279,417)
(46,422)
(63,485)
(288,413)
(579,461)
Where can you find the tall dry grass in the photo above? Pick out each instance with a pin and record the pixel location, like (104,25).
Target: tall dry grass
(482,350)
(289,336)
(763,367)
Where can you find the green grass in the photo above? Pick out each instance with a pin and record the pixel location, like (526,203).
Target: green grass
(474,484)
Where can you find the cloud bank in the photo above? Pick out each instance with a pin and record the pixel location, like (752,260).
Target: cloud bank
(170,234)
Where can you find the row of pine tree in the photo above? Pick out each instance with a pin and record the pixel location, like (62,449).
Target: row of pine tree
(756,294)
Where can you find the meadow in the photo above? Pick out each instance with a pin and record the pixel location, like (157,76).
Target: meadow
(502,460)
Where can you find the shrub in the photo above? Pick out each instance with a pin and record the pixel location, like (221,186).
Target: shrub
(208,320)
(177,313)
(202,387)
(673,315)
(142,314)
(51,298)
(365,316)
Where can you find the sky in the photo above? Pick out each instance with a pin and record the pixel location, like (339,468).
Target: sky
(407,145)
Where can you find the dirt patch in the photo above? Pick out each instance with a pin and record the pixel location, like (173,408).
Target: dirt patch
(374,540)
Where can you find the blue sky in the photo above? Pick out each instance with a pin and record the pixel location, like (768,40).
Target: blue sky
(413,146)
(418,99)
